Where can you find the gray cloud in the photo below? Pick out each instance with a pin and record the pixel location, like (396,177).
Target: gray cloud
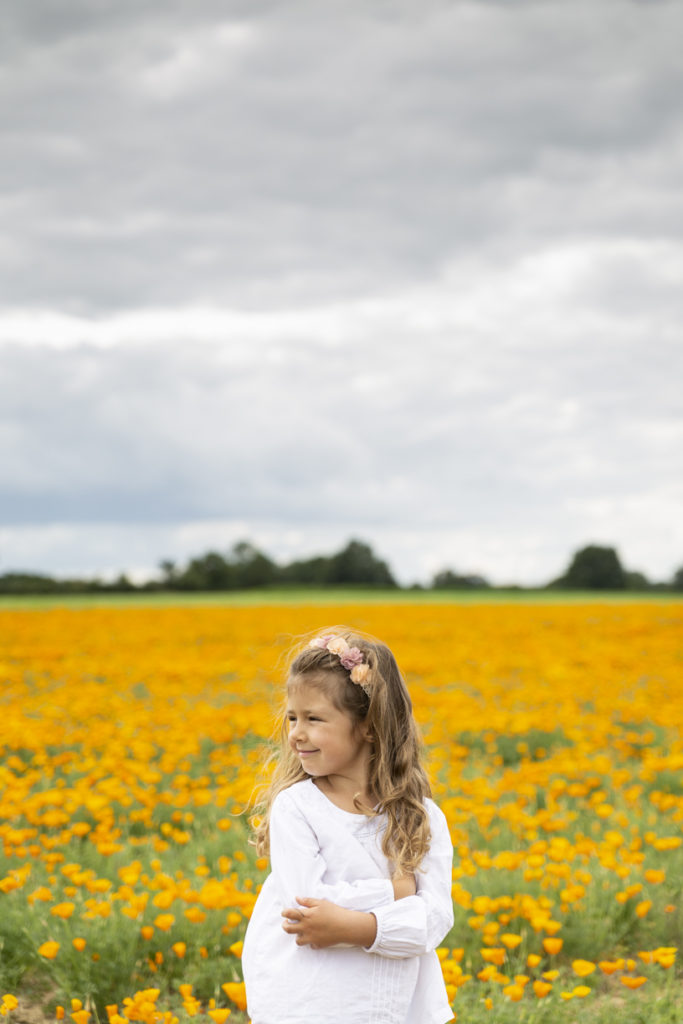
(306,272)
(255,155)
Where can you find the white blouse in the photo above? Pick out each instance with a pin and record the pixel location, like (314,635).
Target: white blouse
(319,850)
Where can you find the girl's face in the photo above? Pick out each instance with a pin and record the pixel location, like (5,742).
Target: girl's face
(326,740)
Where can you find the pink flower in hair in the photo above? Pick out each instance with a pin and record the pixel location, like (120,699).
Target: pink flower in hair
(321,641)
(351,658)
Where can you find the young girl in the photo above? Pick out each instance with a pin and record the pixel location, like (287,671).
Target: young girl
(345,927)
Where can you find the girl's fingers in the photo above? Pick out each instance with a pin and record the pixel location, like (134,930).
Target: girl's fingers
(292,915)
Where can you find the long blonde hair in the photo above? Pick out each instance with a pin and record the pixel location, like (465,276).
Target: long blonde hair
(396,778)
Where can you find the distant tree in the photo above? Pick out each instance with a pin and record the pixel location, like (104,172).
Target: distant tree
(122,584)
(309,571)
(446,579)
(677,581)
(244,566)
(636,581)
(251,567)
(357,564)
(169,575)
(208,572)
(27,583)
(594,568)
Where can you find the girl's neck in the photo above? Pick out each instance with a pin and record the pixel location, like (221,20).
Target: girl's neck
(341,793)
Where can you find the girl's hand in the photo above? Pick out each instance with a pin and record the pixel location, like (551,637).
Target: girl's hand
(404,885)
(320,923)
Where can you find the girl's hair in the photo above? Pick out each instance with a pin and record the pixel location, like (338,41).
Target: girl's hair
(382,705)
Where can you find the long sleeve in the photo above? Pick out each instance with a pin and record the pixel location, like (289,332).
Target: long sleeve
(417,924)
(298,866)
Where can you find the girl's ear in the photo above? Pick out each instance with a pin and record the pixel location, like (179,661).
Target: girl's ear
(367,733)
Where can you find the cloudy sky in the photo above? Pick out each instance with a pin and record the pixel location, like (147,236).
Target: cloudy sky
(300,272)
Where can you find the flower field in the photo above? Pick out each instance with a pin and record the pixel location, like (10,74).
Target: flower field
(131,741)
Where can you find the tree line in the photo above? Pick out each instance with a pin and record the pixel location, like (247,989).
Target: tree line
(244,567)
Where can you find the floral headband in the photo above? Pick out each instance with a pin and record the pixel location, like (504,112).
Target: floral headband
(352,658)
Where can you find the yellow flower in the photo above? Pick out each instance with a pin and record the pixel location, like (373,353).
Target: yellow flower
(219,1016)
(632,982)
(514,992)
(79,944)
(552,945)
(49,949)
(236,993)
(195,915)
(583,967)
(495,955)
(63,910)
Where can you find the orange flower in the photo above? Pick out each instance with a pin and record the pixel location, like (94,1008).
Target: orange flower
(236,992)
(541,988)
(179,949)
(219,1016)
(514,992)
(583,967)
(195,915)
(79,944)
(552,945)
(495,955)
(49,949)
(632,982)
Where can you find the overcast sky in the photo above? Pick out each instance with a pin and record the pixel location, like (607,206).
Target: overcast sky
(300,272)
